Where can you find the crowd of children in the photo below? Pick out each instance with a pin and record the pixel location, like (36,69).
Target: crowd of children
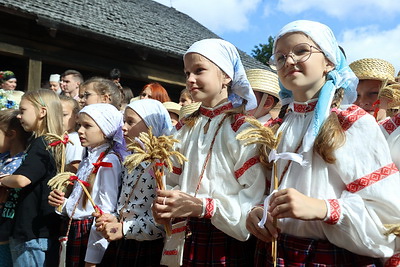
(327,197)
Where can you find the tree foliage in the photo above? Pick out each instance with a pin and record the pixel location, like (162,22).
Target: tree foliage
(262,52)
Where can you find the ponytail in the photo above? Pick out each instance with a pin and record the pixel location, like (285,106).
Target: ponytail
(331,135)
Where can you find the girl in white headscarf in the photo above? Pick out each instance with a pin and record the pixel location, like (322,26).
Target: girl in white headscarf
(101,132)
(222,179)
(332,208)
(140,239)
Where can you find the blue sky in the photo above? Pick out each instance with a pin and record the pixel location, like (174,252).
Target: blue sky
(364,28)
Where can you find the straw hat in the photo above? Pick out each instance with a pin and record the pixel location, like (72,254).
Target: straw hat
(189,109)
(263,81)
(173,107)
(373,69)
(392,92)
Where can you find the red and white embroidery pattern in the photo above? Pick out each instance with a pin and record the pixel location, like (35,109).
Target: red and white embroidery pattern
(391,124)
(335,211)
(254,160)
(176,170)
(394,261)
(304,107)
(372,178)
(213,113)
(239,120)
(209,212)
(349,116)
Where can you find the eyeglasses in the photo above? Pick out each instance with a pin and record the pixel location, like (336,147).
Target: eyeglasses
(300,53)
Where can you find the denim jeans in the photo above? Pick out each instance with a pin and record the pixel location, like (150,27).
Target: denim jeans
(30,253)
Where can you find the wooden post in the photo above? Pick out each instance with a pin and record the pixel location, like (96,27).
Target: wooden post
(34,74)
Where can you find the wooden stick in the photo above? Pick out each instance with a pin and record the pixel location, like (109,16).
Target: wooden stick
(89,197)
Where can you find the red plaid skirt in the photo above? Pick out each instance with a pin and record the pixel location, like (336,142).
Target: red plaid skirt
(208,246)
(77,242)
(129,252)
(294,251)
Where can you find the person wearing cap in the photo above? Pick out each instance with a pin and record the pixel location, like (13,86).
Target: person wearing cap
(373,75)
(55,84)
(8,80)
(266,88)
(174,110)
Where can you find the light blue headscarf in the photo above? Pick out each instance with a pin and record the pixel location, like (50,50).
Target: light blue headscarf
(226,57)
(110,121)
(154,114)
(341,76)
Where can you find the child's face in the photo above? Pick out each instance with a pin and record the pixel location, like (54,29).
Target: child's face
(174,118)
(133,125)
(28,116)
(367,94)
(204,80)
(5,143)
(69,118)
(185,100)
(303,79)
(146,93)
(91,96)
(90,133)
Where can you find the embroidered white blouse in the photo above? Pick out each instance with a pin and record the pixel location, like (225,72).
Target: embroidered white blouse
(134,205)
(104,194)
(360,188)
(234,179)
(391,130)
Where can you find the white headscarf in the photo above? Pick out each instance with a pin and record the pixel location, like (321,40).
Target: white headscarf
(226,57)
(110,121)
(154,115)
(340,77)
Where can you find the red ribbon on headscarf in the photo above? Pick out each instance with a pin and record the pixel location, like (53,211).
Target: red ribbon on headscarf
(75,178)
(65,141)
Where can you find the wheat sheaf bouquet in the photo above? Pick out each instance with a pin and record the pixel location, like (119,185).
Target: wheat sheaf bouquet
(159,152)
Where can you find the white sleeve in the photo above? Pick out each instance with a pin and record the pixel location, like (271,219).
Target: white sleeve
(370,198)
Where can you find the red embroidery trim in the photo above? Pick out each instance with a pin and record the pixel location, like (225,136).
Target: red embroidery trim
(171,252)
(213,113)
(372,178)
(239,120)
(209,212)
(272,122)
(179,230)
(176,170)
(180,124)
(304,107)
(393,261)
(335,211)
(252,161)
(391,124)
(348,117)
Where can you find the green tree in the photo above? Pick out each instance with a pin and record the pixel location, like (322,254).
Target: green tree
(263,52)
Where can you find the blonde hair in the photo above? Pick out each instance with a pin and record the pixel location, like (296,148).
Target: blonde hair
(52,122)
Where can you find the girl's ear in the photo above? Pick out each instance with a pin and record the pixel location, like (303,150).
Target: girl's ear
(42,112)
(329,66)
(226,79)
(105,98)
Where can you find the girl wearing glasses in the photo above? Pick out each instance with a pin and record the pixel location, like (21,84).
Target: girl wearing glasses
(100,90)
(332,208)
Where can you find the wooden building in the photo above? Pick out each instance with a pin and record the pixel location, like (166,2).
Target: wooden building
(142,38)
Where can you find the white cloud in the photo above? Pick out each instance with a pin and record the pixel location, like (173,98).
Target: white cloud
(373,9)
(218,15)
(372,42)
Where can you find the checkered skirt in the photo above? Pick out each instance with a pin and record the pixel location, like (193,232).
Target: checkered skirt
(294,251)
(208,246)
(77,242)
